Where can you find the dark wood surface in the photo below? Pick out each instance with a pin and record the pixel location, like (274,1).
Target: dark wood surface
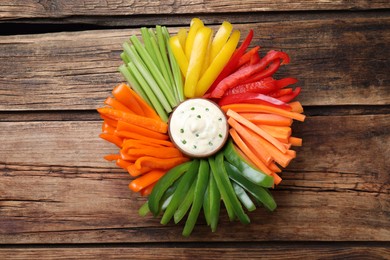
(60,199)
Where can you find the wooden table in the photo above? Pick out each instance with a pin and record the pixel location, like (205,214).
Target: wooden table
(60,199)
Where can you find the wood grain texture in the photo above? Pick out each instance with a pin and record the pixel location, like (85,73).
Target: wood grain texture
(77,70)
(61,8)
(63,192)
(259,251)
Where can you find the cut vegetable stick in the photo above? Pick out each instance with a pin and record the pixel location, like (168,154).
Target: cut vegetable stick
(123,95)
(248,152)
(263,108)
(106,128)
(117,105)
(147,109)
(296,107)
(273,167)
(133,171)
(256,129)
(147,190)
(295,141)
(162,153)
(267,119)
(110,121)
(148,123)
(146,180)
(134,136)
(112,157)
(128,127)
(112,139)
(249,140)
(279,132)
(277,178)
(277,155)
(128,157)
(158,163)
(133,143)
(123,163)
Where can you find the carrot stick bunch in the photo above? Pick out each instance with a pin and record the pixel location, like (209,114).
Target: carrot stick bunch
(145,150)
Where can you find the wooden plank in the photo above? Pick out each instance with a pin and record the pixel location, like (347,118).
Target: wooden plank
(259,251)
(63,192)
(60,8)
(77,70)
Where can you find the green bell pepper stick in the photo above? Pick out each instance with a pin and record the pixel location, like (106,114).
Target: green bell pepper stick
(222,190)
(215,203)
(200,189)
(260,193)
(183,186)
(243,197)
(206,204)
(163,184)
(226,184)
(144,209)
(185,205)
(245,168)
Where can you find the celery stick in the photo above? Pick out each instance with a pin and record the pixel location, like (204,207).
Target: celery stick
(133,82)
(136,59)
(157,76)
(155,52)
(149,92)
(178,79)
(148,45)
(124,58)
(163,51)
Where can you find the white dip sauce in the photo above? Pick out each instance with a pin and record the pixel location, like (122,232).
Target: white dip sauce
(198,127)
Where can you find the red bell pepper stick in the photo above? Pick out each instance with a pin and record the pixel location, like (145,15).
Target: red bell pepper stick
(291,96)
(253,98)
(240,75)
(247,57)
(281,83)
(280,92)
(263,86)
(233,62)
(268,72)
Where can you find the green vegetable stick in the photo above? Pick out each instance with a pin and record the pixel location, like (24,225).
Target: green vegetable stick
(177,77)
(182,188)
(222,190)
(185,205)
(156,51)
(125,58)
(243,197)
(144,209)
(163,184)
(156,74)
(215,203)
(148,44)
(206,204)
(163,50)
(200,189)
(133,82)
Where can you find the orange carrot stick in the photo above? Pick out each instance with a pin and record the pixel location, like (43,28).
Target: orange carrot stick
(133,143)
(279,132)
(123,94)
(112,139)
(146,180)
(263,109)
(128,157)
(146,139)
(162,153)
(117,105)
(248,152)
(257,130)
(133,171)
(267,119)
(112,157)
(248,139)
(123,163)
(296,107)
(148,110)
(158,163)
(295,141)
(277,178)
(142,121)
(147,190)
(110,121)
(106,128)
(128,127)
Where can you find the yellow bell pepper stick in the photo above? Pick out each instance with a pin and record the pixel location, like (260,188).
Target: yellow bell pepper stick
(178,52)
(196,24)
(182,34)
(198,54)
(220,39)
(217,64)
